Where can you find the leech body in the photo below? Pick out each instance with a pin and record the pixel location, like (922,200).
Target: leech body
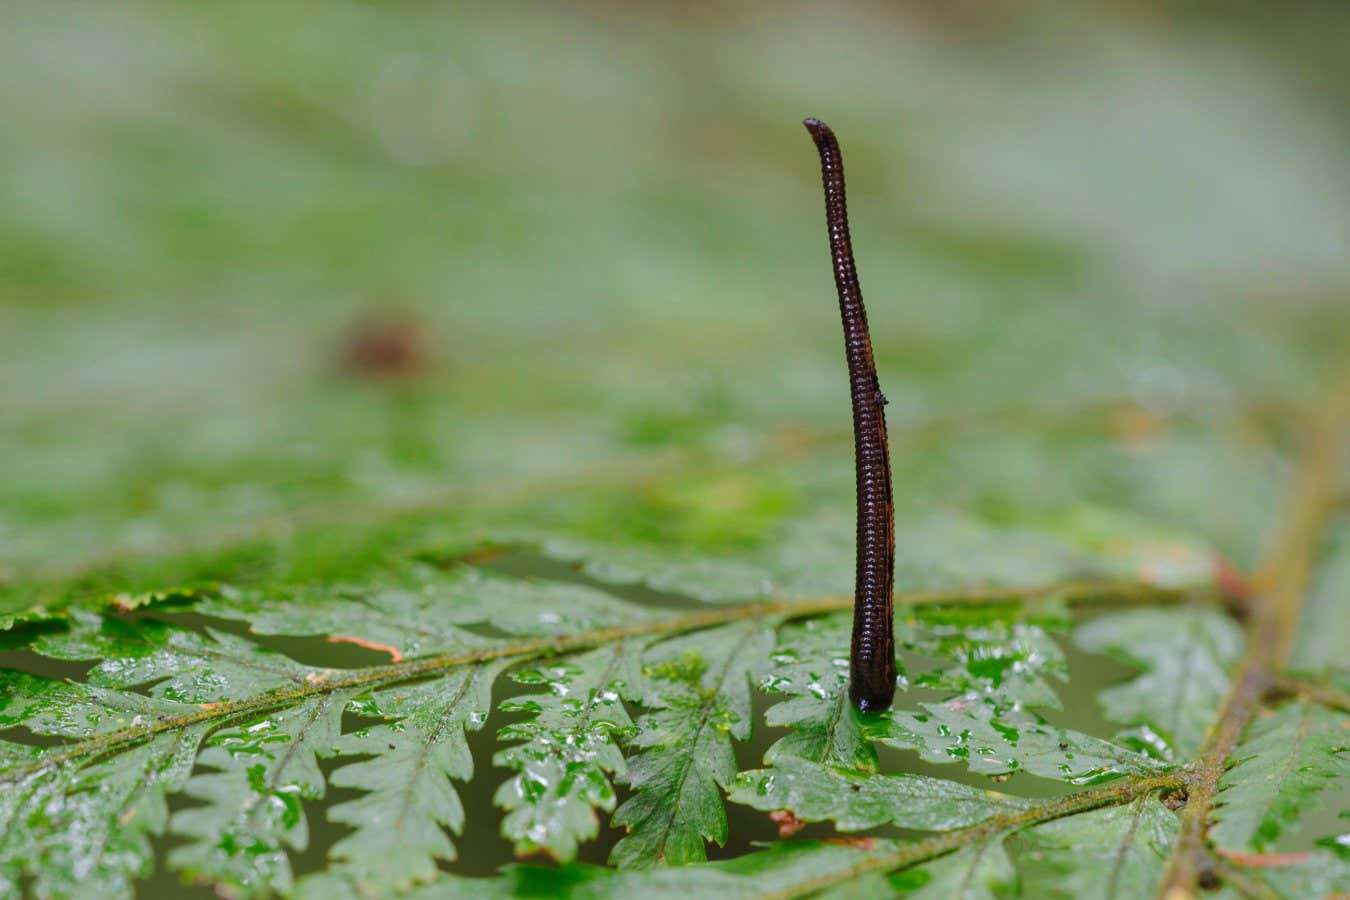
(872,673)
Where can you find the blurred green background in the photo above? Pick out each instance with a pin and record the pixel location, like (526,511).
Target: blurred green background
(593,233)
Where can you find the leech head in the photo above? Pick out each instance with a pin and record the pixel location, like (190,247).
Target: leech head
(872,671)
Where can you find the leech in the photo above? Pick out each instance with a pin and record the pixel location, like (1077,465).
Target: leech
(872,661)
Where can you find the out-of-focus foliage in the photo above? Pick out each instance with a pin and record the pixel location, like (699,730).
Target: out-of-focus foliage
(601,237)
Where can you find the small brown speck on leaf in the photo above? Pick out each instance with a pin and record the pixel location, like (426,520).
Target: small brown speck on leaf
(787,823)
(1231,580)
(396,347)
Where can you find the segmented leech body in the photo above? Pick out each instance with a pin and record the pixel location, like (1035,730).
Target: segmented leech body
(872,663)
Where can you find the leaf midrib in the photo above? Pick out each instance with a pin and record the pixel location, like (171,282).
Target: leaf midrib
(424,750)
(1118,862)
(1188,659)
(704,715)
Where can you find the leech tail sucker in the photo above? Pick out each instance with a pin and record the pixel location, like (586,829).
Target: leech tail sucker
(872,674)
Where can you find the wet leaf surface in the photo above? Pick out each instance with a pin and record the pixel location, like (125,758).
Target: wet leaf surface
(359,361)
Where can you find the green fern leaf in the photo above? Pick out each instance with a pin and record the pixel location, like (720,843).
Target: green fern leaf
(1280,768)
(981,871)
(116,806)
(1324,631)
(1114,853)
(176,664)
(858,801)
(995,740)
(811,665)
(996,656)
(409,795)
(1185,654)
(699,687)
(572,745)
(261,773)
(425,610)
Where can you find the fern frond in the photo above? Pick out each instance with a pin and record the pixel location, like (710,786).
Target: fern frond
(698,687)
(1284,763)
(1186,655)
(572,745)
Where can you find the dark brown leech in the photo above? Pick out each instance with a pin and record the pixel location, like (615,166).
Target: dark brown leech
(872,663)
